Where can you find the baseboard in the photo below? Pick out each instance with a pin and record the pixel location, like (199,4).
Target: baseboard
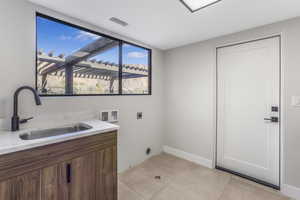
(291,191)
(188,156)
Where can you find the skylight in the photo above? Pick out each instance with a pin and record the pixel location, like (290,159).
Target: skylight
(195,5)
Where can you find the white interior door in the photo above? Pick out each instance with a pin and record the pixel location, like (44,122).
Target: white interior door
(248,88)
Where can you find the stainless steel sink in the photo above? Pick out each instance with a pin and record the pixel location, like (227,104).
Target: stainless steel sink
(55,131)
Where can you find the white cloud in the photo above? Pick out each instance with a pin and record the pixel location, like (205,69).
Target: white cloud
(83,35)
(135,54)
(64,37)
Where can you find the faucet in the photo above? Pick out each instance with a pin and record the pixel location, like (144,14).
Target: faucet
(15,120)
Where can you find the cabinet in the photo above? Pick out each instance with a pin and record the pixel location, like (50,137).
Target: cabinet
(24,187)
(81,169)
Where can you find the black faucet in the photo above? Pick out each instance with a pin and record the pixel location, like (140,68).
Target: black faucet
(15,120)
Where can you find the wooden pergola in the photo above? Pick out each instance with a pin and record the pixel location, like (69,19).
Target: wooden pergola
(78,64)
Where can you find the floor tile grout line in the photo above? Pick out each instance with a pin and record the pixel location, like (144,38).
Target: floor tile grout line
(141,195)
(133,190)
(157,193)
(223,191)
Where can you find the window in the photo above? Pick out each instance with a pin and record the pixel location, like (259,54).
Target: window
(72,60)
(135,74)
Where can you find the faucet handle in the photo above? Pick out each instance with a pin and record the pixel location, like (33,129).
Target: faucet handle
(22,121)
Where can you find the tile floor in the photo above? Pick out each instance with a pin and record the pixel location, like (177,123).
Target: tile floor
(182,180)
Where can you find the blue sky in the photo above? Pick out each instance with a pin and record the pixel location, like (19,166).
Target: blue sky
(60,38)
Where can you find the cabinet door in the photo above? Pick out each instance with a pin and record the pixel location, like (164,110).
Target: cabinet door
(82,180)
(107,179)
(77,178)
(49,186)
(25,187)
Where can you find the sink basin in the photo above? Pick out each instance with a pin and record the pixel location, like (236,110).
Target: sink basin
(55,131)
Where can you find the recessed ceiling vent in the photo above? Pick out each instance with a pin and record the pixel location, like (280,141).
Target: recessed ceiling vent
(118,21)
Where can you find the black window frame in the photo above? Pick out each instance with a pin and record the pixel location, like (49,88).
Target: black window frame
(121,42)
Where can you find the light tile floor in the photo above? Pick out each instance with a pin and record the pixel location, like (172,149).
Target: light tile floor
(184,180)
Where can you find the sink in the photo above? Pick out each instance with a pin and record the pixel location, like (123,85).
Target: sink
(55,131)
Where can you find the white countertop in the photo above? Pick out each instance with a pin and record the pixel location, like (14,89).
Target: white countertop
(10,141)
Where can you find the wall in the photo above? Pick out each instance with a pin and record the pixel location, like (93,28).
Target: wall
(17,67)
(190,94)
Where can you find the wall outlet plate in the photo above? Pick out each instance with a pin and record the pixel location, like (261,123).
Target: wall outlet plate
(109,115)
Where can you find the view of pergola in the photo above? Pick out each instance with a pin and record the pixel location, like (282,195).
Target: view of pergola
(90,65)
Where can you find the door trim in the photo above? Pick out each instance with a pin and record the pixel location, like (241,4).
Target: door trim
(279,36)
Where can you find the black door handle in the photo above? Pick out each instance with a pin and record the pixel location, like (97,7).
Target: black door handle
(272,119)
(69,171)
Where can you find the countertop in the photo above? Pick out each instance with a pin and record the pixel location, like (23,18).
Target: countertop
(10,141)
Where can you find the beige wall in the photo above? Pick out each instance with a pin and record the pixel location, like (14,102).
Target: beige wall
(190,94)
(17,68)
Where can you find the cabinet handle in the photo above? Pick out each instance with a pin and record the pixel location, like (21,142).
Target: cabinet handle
(69,169)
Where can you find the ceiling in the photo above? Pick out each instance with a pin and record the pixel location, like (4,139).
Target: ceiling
(167,24)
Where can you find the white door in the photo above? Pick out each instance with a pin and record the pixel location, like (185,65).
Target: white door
(248,88)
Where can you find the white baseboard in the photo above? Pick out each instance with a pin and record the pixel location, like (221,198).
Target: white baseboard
(291,191)
(188,156)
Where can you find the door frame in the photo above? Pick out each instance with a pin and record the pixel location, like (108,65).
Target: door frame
(281,113)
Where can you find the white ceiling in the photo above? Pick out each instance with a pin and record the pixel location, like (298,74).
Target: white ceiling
(167,24)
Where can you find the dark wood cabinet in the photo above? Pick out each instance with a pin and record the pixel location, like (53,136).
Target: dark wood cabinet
(25,187)
(80,169)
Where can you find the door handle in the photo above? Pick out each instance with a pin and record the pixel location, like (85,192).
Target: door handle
(272,119)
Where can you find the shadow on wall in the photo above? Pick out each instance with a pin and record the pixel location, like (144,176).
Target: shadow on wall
(3,113)
(2,108)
